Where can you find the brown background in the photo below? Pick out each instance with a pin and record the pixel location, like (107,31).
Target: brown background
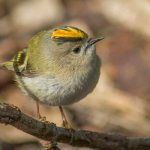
(120,102)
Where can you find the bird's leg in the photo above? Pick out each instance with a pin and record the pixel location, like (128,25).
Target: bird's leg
(47,145)
(38,113)
(65,123)
(64,120)
(38,110)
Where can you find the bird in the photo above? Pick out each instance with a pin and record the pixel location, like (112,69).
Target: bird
(58,67)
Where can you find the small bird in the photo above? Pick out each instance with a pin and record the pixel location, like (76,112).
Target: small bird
(59,67)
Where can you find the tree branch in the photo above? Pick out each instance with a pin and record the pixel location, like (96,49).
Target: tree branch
(80,138)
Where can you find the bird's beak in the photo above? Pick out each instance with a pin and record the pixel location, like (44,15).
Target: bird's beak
(94,40)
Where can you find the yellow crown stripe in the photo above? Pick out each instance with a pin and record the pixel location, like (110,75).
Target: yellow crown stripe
(67,33)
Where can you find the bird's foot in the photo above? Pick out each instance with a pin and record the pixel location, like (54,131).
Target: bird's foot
(66,124)
(43,119)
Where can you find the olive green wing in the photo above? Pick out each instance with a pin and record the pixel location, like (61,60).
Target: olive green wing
(19,64)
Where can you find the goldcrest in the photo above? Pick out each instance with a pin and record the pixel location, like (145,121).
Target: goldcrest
(59,67)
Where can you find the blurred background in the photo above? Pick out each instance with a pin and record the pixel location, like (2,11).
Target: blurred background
(120,103)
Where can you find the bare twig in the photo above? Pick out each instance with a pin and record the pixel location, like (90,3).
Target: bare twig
(49,132)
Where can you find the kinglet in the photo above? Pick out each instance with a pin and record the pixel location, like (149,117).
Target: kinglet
(59,67)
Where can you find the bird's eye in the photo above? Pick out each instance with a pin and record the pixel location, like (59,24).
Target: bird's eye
(76,50)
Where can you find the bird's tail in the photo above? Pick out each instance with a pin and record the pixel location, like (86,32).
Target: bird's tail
(2,65)
(7,64)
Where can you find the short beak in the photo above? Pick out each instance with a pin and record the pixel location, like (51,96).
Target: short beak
(94,40)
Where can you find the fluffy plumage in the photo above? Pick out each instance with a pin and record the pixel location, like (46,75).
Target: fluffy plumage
(57,72)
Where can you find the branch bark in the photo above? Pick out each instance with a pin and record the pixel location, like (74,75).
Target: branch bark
(12,115)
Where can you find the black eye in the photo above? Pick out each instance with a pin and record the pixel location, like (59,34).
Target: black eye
(76,50)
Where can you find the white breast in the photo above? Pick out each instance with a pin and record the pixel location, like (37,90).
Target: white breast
(53,91)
